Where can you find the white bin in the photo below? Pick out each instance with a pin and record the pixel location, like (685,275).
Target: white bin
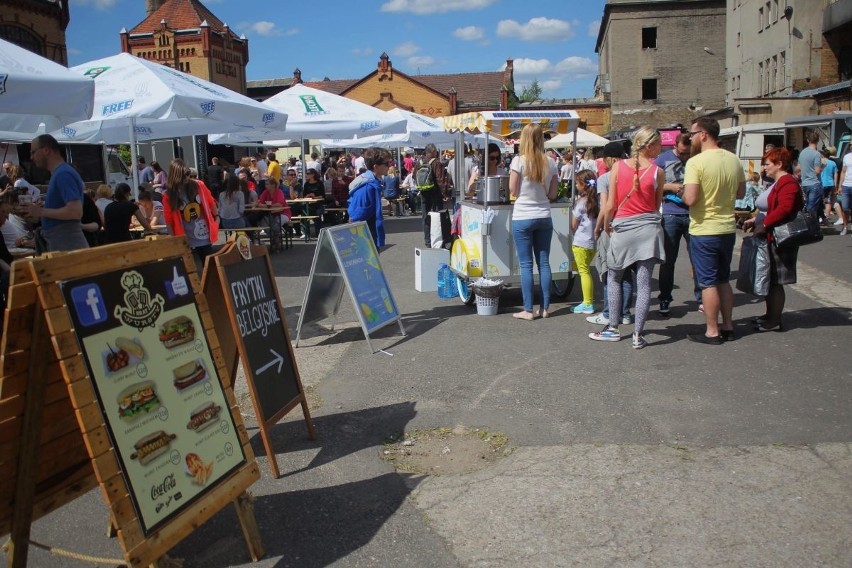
(426,265)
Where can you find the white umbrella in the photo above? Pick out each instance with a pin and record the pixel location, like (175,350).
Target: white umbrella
(136,100)
(38,95)
(317,114)
(585,139)
(419,131)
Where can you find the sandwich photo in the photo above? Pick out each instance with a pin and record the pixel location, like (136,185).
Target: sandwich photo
(137,399)
(203,416)
(177,331)
(152,446)
(189,374)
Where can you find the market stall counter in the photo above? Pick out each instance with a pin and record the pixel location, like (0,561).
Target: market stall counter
(484,244)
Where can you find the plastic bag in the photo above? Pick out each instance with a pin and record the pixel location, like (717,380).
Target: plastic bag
(754,267)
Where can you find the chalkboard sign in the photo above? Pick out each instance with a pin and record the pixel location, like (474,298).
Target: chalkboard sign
(346,258)
(259,331)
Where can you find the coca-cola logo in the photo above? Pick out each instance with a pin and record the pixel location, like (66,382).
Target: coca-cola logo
(164,487)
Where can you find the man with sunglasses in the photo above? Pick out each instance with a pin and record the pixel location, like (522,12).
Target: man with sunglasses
(713,180)
(675,218)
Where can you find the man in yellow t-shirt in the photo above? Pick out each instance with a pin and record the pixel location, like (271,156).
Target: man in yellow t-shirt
(273,170)
(713,180)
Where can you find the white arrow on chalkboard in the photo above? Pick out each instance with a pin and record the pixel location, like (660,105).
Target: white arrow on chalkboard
(279,360)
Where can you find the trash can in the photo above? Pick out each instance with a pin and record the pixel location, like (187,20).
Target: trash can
(487,296)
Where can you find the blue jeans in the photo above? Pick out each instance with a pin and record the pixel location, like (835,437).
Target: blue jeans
(532,239)
(626,293)
(674,227)
(813,195)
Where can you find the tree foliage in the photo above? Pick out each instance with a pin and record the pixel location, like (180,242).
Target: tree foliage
(531,92)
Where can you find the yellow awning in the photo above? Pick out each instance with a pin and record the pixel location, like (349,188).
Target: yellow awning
(507,122)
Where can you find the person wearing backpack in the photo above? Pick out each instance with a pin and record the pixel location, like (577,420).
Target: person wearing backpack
(432,181)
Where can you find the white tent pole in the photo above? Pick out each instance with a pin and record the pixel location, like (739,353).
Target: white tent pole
(304,161)
(573,168)
(134,191)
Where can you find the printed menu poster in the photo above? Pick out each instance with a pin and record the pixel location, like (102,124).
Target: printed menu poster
(367,283)
(159,390)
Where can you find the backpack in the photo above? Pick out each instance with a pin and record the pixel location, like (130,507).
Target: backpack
(424,178)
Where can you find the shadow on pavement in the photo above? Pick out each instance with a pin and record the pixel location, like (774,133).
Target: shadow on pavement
(307,528)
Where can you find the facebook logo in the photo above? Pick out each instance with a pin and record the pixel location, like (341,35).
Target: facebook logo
(89,304)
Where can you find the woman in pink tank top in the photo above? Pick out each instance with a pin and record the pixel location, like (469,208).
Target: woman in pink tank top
(632,218)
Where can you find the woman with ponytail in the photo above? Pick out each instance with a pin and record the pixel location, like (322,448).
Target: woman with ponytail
(632,218)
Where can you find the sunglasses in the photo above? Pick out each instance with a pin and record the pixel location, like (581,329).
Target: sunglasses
(691,134)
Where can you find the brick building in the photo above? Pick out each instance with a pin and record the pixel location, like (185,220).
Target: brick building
(662,62)
(36,25)
(431,95)
(185,35)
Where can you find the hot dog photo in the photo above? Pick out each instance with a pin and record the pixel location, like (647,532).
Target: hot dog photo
(177,331)
(204,416)
(136,400)
(152,446)
(189,374)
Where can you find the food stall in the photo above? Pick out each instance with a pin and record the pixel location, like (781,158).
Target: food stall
(486,247)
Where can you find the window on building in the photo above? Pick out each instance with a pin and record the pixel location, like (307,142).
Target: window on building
(649,38)
(768,84)
(760,19)
(649,89)
(760,78)
(739,38)
(773,77)
(773,12)
(23,38)
(782,69)
(187,67)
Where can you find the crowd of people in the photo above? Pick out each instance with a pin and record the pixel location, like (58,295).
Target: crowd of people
(633,209)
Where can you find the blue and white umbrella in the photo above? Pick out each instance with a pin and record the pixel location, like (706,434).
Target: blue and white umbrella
(39,95)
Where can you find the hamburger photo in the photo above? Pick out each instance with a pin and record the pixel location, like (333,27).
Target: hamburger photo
(177,331)
(189,374)
(137,399)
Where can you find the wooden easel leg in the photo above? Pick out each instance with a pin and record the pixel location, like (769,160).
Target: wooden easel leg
(270,452)
(312,434)
(245,513)
(22,512)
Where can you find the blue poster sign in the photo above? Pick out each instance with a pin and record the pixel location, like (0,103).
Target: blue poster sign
(359,262)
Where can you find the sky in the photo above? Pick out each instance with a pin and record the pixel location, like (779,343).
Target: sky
(551,41)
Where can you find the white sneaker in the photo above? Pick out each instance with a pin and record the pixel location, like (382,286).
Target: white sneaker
(844,231)
(839,222)
(598,319)
(627,320)
(639,341)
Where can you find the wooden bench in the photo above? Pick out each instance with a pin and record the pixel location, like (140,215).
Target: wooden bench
(305,221)
(336,215)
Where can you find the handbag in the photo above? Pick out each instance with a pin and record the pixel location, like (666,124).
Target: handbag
(753,275)
(803,230)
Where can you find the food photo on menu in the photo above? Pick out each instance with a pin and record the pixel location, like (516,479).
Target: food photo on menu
(189,374)
(124,352)
(137,400)
(152,446)
(203,417)
(177,331)
(198,470)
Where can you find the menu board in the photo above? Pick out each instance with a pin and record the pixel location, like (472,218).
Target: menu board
(263,336)
(359,262)
(159,390)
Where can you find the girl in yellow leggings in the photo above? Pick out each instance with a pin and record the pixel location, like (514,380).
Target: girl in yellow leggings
(583,227)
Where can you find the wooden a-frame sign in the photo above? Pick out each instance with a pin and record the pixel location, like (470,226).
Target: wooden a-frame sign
(63,430)
(252,329)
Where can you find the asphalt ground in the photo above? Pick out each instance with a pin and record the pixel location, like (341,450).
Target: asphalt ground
(676,455)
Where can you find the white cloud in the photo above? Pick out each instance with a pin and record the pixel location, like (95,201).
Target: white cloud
(577,67)
(593,29)
(406,49)
(421,7)
(552,77)
(96,4)
(365,52)
(420,61)
(264,28)
(291,31)
(530,67)
(537,29)
(469,33)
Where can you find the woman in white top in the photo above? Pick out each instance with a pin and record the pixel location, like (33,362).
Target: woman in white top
(532,180)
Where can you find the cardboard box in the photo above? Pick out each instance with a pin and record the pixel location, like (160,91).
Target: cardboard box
(426,265)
